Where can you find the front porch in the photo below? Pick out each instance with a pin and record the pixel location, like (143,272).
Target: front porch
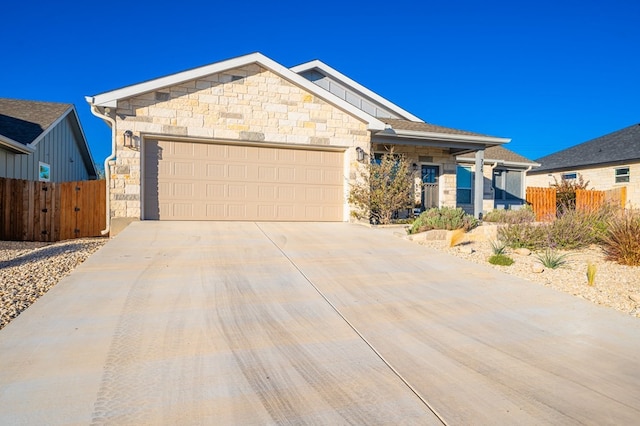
(432,151)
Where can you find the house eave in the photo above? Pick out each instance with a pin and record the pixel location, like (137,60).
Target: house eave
(16,147)
(482,141)
(499,162)
(110,99)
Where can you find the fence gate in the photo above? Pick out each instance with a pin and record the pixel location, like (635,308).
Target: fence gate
(44,211)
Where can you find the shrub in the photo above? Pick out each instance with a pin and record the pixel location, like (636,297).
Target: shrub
(443,218)
(576,229)
(621,242)
(566,192)
(571,230)
(501,259)
(524,235)
(551,259)
(383,189)
(522,215)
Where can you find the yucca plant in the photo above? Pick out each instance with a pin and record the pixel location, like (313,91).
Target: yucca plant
(591,274)
(498,247)
(551,259)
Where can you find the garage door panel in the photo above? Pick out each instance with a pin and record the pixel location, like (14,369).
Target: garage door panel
(200,181)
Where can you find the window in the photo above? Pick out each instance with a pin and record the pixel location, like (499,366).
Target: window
(570,176)
(622,175)
(507,184)
(464,179)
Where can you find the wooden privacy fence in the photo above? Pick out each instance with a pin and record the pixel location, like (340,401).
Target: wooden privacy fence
(44,211)
(543,200)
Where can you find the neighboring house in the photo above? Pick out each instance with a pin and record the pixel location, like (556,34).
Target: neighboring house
(43,141)
(249,139)
(504,179)
(607,162)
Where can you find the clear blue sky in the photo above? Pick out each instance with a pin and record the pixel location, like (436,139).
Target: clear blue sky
(548,74)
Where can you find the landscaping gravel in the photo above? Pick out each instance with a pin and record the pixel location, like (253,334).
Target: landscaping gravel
(29,269)
(616,286)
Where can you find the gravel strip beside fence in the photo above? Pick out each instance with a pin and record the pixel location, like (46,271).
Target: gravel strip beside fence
(28,270)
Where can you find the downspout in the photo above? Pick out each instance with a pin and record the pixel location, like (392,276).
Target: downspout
(107,174)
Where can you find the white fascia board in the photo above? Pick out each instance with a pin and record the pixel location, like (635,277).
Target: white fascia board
(446,136)
(110,99)
(16,146)
(498,162)
(357,86)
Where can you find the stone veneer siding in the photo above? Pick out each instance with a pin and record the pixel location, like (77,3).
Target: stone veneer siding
(599,178)
(245,104)
(438,157)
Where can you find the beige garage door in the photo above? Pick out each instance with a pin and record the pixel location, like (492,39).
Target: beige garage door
(211,181)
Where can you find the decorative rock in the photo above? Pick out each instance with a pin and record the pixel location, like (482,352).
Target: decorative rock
(466,250)
(537,268)
(635,298)
(522,252)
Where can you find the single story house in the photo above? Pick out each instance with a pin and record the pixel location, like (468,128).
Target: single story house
(43,141)
(250,139)
(607,162)
(504,179)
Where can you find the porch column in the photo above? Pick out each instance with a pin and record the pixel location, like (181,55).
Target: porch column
(479,184)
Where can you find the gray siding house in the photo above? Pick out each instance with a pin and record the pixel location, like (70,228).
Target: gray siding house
(43,141)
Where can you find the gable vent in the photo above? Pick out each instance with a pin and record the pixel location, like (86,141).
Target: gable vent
(162,96)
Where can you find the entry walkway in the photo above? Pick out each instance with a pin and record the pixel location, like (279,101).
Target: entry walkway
(259,323)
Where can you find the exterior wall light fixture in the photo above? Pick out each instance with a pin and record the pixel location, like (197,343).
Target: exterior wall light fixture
(360,153)
(128,139)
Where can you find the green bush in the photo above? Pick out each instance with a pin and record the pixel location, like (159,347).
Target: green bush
(621,242)
(443,218)
(522,215)
(501,259)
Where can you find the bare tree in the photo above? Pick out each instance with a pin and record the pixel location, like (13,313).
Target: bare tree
(382,189)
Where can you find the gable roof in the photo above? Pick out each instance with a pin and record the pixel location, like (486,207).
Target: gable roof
(501,155)
(336,75)
(617,147)
(23,124)
(110,99)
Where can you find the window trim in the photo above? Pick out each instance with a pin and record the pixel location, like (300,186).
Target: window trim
(622,177)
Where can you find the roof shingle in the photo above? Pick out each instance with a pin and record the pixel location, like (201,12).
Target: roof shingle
(418,126)
(23,121)
(620,146)
(500,153)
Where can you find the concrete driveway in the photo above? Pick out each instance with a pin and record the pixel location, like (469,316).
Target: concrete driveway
(269,323)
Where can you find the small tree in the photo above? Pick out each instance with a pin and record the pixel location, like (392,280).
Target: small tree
(566,192)
(382,189)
